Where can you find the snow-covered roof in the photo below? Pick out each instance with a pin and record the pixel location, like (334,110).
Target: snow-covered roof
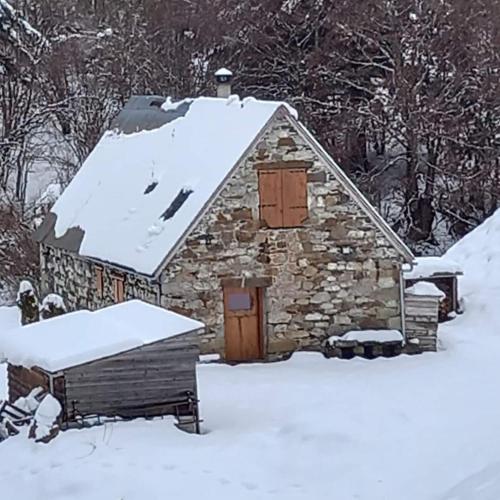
(82,336)
(427,267)
(424,288)
(147,180)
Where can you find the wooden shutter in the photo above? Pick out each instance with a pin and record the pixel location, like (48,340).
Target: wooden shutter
(271,203)
(99,281)
(118,288)
(294,185)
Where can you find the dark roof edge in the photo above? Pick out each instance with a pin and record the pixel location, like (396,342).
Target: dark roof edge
(70,241)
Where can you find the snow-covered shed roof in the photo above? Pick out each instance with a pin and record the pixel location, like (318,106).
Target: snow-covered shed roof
(150,176)
(428,267)
(426,289)
(82,336)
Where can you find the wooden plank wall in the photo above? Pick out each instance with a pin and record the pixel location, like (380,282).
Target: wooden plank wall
(421,316)
(148,375)
(23,380)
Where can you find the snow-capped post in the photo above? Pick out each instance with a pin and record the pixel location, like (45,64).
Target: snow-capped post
(52,306)
(27,301)
(223,78)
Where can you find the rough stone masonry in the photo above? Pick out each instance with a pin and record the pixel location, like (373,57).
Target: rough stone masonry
(336,273)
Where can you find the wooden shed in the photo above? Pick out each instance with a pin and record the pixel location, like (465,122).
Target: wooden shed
(128,360)
(443,273)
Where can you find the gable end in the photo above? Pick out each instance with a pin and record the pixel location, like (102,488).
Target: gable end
(353,191)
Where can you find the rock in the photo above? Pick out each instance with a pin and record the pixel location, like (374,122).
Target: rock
(314,317)
(320,297)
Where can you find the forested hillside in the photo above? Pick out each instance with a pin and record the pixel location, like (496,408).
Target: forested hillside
(403,93)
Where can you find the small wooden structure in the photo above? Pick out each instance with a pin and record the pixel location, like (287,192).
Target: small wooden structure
(368,344)
(422,307)
(127,360)
(441,272)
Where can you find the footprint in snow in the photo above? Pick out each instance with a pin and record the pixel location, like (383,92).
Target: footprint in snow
(249,486)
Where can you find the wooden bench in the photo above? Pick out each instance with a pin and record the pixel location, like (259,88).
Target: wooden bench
(348,349)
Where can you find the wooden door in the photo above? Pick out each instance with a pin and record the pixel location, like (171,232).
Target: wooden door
(242,324)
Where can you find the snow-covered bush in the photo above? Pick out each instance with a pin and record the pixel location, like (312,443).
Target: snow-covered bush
(29,403)
(27,301)
(44,426)
(52,306)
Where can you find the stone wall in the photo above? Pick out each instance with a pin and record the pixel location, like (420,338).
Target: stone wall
(74,279)
(336,273)
(421,320)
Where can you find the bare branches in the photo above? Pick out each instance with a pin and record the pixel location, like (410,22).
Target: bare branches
(403,93)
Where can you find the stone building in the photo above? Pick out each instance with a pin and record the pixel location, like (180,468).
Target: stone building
(230,212)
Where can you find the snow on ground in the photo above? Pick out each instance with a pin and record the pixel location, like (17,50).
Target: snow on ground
(478,253)
(408,428)
(413,428)
(9,318)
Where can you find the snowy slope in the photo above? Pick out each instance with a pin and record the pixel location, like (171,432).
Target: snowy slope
(478,253)
(9,318)
(123,190)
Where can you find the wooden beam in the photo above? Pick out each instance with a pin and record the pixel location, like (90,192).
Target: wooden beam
(247,282)
(272,165)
